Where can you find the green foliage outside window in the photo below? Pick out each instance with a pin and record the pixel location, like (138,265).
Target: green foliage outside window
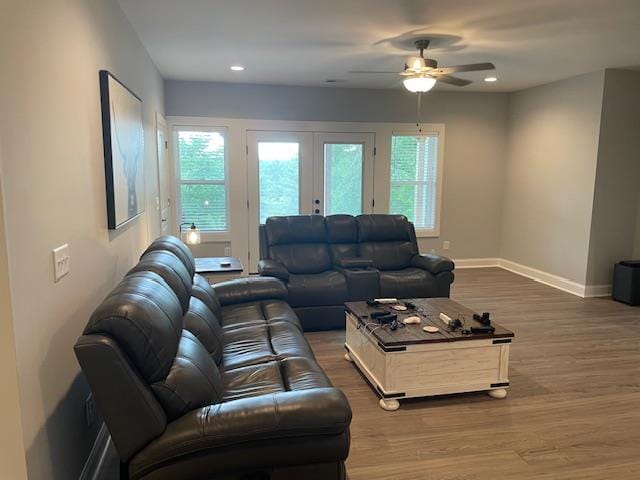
(202,176)
(413,178)
(343,178)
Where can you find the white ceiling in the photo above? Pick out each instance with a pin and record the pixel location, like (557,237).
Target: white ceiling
(306,42)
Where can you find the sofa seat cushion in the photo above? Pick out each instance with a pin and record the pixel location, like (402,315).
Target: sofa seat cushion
(252,380)
(287,341)
(326,288)
(258,313)
(246,346)
(303,373)
(407,283)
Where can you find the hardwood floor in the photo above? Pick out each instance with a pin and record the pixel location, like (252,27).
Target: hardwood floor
(572,411)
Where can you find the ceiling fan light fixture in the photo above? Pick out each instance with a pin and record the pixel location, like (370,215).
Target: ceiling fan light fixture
(491,79)
(419,83)
(237,68)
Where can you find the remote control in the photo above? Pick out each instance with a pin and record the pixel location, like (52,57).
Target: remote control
(385,300)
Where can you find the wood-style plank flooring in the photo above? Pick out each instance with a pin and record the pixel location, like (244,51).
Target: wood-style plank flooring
(573,409)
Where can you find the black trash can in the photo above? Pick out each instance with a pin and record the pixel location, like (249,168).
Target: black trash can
(626,282)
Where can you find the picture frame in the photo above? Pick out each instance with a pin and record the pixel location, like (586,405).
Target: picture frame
(123,144)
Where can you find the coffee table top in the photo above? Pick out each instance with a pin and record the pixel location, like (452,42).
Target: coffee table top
(214,265)
(428,309)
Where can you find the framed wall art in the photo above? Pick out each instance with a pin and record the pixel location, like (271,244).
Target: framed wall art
(123,138)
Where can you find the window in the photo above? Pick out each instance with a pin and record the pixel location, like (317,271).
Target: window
(202,178)
(414,180)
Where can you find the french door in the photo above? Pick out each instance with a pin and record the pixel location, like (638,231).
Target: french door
(293,173)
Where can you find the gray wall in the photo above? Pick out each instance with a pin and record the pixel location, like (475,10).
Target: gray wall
(474,149)
(551,168)
(53,193)
(615,204)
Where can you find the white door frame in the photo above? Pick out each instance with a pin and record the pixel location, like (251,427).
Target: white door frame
(305,140)
(165,177)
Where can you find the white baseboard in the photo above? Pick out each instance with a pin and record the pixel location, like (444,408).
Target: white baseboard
(555,281)
(540,276)
(598,290)
(477,262)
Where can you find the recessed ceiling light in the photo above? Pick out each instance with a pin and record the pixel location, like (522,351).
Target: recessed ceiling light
(491,79)
(237,68)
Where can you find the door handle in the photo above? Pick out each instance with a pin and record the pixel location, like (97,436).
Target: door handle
(317,210)
(317,202)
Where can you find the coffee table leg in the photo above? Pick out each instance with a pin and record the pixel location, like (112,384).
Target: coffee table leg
(389,405)
(498,393)
(347,357)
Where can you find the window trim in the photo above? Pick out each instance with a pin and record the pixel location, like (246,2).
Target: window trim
(206,236)
(438,132)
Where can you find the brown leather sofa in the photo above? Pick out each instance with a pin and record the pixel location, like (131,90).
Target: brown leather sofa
(195,382)
(326,261)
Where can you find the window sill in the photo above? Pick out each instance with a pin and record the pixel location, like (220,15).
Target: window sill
(213,237)
(427,233)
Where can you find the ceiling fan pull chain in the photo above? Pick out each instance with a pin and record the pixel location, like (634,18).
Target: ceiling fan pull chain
(418,122)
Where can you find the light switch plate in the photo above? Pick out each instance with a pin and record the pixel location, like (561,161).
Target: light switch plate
(227,251)
(446,245)
(61,261)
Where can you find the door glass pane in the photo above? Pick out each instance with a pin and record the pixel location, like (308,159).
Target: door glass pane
(279,178)
(343,178)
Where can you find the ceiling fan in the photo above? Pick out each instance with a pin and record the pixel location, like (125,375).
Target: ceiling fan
(422,73)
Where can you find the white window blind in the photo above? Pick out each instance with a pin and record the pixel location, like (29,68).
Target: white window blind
(414,179)
(202,183)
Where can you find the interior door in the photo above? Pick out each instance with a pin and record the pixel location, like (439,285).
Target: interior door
(280,179)
(164,176)
(343,173)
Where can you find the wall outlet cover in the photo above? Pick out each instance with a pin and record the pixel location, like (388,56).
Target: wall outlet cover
(446,244)
(61,261)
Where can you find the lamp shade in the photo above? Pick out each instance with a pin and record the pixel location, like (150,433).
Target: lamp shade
(419,83)
(192,236)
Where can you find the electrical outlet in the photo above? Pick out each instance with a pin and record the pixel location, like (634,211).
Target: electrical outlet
(90,410)
(446,244)
(227,251)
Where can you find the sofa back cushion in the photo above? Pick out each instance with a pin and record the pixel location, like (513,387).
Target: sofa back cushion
(143,315)
(387,240)
(172,270)
(203,291)
(176,246)
(201,321)
(298,242)
(342,235)
(193,380)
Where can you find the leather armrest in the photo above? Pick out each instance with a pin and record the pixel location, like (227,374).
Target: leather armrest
(264,418)
(354,262)
(271,268)
(250,289)
(432,263)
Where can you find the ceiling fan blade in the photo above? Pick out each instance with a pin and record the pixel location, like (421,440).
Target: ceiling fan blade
(372,71)
(472,67)
(458,82)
